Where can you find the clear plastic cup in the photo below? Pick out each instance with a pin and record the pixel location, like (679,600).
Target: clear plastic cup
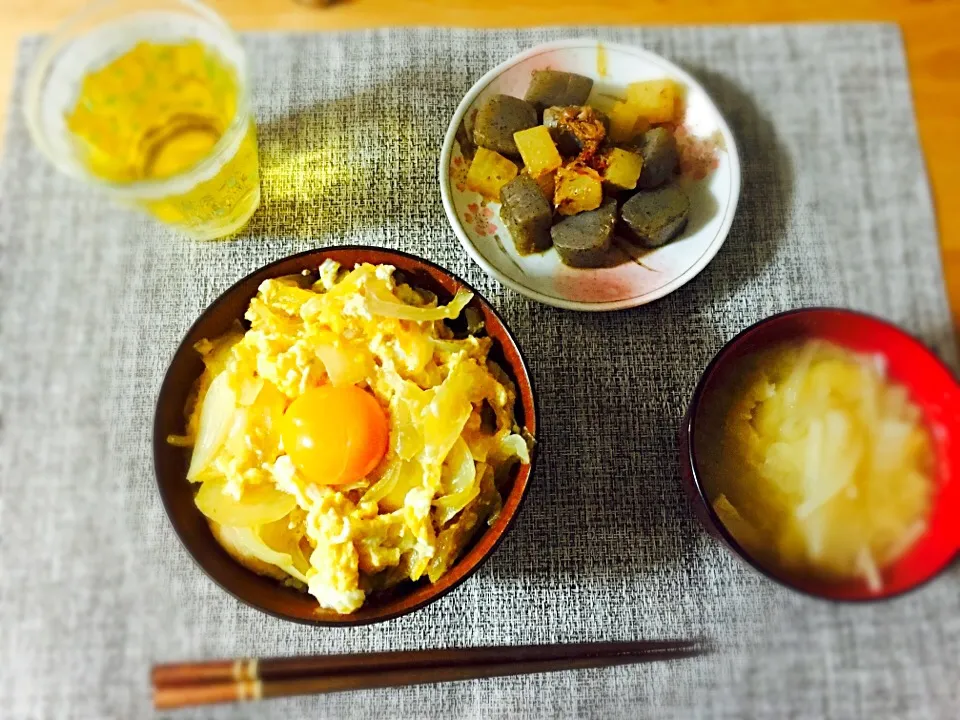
(150,101)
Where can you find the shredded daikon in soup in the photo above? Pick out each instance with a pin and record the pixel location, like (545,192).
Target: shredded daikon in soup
(817,462)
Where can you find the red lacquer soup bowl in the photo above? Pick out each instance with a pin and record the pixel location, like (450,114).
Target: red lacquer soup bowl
(931,386)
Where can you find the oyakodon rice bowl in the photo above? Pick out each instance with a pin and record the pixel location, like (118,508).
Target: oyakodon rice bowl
(353,434)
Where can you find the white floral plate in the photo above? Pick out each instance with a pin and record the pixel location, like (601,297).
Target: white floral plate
(711,176)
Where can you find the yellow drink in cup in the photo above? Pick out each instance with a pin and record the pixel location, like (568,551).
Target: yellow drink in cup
(149,99)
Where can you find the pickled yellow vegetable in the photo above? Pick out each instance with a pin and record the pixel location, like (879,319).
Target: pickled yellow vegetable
(654,100)
(489,172)
(539,152)
(548,184)
(578,189)
(626,122)
(622,168)
(817,462)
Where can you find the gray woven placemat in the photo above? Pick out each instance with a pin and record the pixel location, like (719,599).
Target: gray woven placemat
(835,209)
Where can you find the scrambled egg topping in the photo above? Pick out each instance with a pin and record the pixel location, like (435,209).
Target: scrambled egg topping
(452,435)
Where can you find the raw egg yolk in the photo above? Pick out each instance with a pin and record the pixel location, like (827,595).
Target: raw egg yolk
(335,435)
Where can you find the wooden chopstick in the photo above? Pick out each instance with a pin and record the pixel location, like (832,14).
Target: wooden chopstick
(186,684)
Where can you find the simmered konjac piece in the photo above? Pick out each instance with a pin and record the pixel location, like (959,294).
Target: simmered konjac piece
(583,240)
(527,213)
(658,148)
(553,87)
(577,130)
(656,216)
(499,118)
(582,171)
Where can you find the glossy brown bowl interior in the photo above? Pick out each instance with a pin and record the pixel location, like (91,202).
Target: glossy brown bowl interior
(171,462)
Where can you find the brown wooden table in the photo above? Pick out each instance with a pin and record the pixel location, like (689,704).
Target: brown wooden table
(929,26)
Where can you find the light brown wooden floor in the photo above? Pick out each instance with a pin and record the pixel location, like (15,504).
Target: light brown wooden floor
(929,26)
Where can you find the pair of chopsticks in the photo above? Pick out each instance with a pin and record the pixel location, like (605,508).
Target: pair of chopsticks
(181,685)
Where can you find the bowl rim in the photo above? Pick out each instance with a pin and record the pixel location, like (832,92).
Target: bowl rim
(446,195)
(689,425)
(524,475)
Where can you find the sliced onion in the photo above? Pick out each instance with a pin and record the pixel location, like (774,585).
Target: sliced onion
(250,390)
(447,413)
(341,365)
(216,354)
(459,482)
(258,505)
(514,445)
(410,476)
(385,304)
(278,536)
(385,485)
(216,417)
(246,539)
(236,442)
(460,472)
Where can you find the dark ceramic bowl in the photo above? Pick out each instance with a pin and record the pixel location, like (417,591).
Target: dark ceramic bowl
(171,462)
(931,386)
